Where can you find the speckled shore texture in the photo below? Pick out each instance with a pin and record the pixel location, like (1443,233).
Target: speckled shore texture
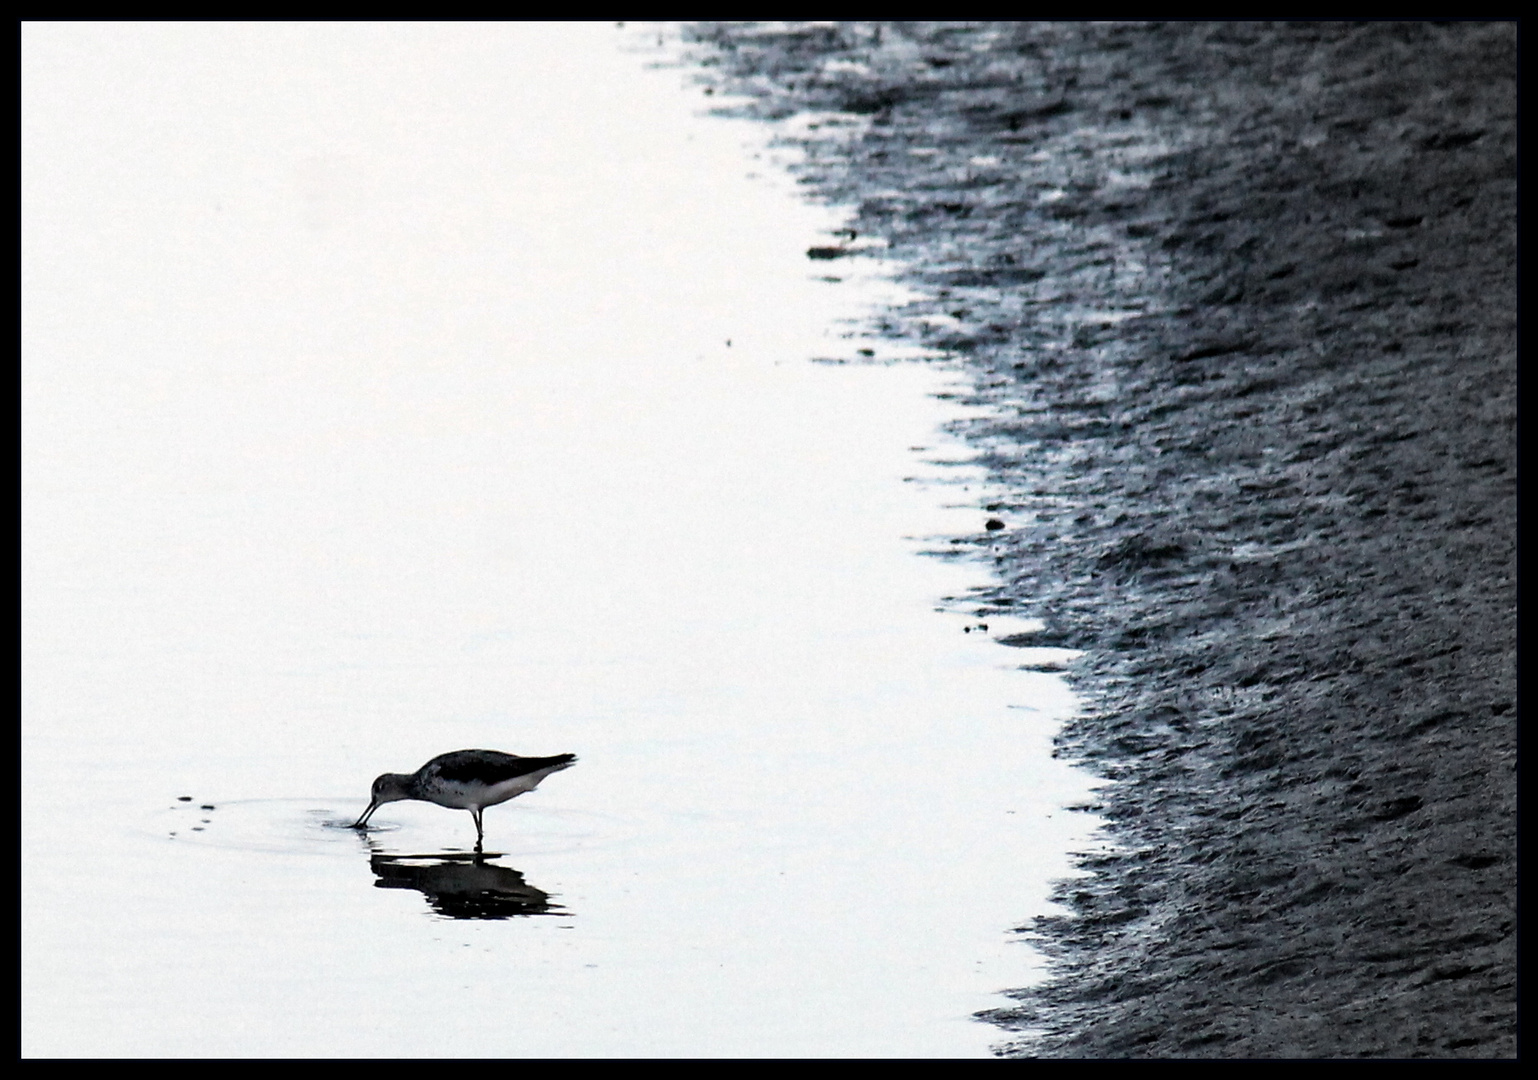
(1240,300)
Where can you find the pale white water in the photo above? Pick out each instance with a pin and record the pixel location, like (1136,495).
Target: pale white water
(377,404)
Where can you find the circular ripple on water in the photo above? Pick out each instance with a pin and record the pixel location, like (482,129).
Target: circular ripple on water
(324,826)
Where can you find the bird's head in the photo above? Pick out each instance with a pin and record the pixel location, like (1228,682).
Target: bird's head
(390,787)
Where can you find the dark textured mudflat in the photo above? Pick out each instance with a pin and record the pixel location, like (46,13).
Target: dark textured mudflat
(1242,301)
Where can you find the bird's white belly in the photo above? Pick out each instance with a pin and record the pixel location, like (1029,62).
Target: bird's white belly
(462,796)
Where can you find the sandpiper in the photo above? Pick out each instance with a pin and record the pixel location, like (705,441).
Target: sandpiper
(466,780)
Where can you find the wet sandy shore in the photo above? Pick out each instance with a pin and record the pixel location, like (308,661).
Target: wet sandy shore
(1241,300)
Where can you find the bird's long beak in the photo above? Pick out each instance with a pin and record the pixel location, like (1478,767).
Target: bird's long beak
(362,821)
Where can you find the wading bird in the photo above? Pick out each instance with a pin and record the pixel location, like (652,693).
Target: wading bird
(466,780)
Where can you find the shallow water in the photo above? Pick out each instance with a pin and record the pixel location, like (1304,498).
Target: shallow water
(392,389)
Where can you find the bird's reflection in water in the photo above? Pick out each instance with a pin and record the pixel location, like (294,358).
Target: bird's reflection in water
(464,886)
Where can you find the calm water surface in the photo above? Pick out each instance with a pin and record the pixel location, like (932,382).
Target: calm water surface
(392,389)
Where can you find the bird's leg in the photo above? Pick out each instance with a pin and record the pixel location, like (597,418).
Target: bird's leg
(479,833)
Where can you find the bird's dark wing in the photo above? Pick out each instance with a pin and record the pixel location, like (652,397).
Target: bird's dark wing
(491,766)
